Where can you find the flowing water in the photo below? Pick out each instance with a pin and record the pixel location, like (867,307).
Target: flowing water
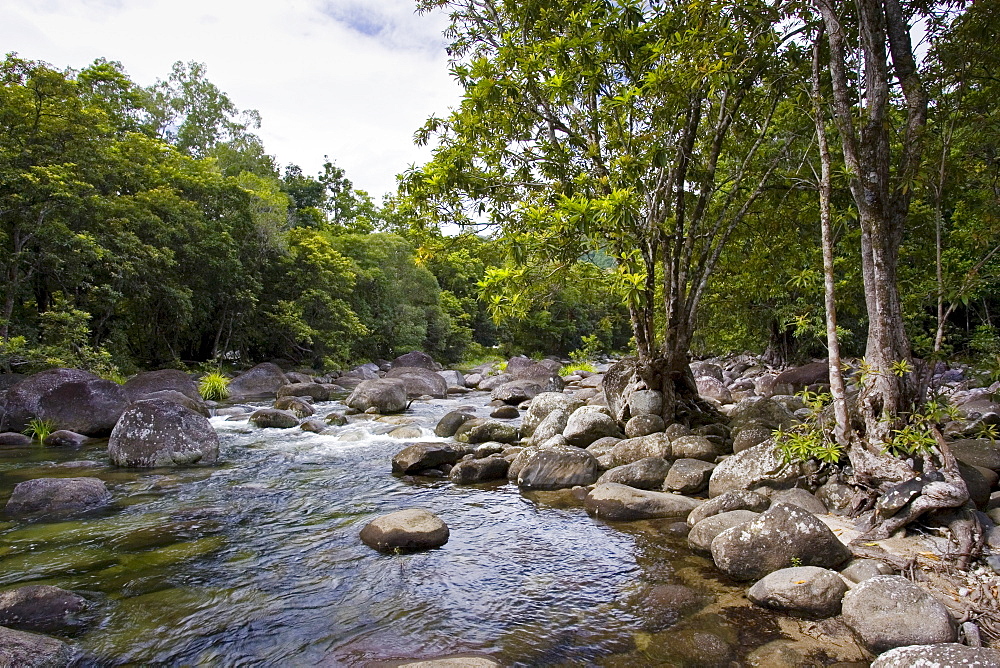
(257,561)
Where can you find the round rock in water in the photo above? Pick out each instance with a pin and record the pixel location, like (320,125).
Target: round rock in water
(611,501)
(274,418)
(57,496)
(951,655)
(405,530)
(807,590)
(31,650)
(889,611)
(40,608)
(558,469)
(704,532)
(161,433)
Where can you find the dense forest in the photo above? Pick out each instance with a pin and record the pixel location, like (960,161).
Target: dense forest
(147,226)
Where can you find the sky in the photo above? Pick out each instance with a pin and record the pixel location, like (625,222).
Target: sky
(351,79)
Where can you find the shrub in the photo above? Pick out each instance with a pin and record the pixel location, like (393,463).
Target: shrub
(570,369)
(213,386)
(39,429)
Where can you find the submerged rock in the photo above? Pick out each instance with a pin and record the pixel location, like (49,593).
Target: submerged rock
(40,608)
(21,649)
(57,496)
(405,530)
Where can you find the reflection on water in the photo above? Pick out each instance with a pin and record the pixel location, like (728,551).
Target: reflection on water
(257,561)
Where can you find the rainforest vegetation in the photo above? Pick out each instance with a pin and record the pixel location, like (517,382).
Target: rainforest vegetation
(639,177)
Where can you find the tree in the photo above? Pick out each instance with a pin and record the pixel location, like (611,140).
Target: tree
(639,130)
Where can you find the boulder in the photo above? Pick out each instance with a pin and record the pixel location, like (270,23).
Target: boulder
(645,402)
(41,608)
(63,438)
(694,447)
(449,424)
(586,425)
(385,395)
(419,382)
(405,530)
(274,418)
(20,649)
(706,370)
(603,446)
(773,540)
(14,439)
(481,430)
(804,590)
(611,501)
(977,452)
(553,425)
(314,391)
(516,391)
(734,500)
(688,476)
(801,498)
(704,532)
(541,373)
(799,378)
(835,496)
(643,425)
(620,382)
(155,433)
(421,456)
(634,449)
(558,469)
(941,655)
(491,383)
(197,405)
(51,497)
(859,570)
(416,359)
(453,378)
(71,399)
(750,436)
(296,404)
(760,466)
(263,380)
(471,471)
(313,426)
(505,413)
(889,611)
(545,403)
(759,412)
(646,473)
(711,388)
(141,385)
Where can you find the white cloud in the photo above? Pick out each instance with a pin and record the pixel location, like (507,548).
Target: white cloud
(352,79)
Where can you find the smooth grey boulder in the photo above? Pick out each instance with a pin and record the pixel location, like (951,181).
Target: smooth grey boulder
(545,403)
(751,436)
(859,570)
(449,424)
(706,370)
(704,532)
(542,373)
(14,439)
(735,500)
(643,425)
(941,655)
(70,398)
(646,473)
(694,447)
(385,395)
(263,380)
(760,466)
(57,497)
(453,378)
(621,381)
(490,383)
(889,611)
(421,456)
(415,359)
(419,381)
(41,608)
(141,385)
(634,449)
(688,476)
(773,540)
(977,452)
(274,418)
(485,469)
(516,391)
(603,446)
(804,590)
(155,433)
(586,425)
(315,391)
(611,501)
(405,530)
(835,496)
(20,649)
(645,402)
(481,430)
(801,498)
(197,405)
(558,469)
(712,388)
(296,404)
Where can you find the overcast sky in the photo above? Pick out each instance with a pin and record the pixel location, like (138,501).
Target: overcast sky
(352,79)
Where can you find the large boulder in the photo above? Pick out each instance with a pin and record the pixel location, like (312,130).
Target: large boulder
(51,497)
(155,433)
(41,608)
(759,412)
(454,379)
(315,391)
(63,438)
(143,384)
(554,424)
(472,471)
(712,388)
(274,418)
(942,655)
(416,359)
(611,501)
(620,382)
(405,530)
(420,381)
(20,649)
(482,430)
(704,532)
(491,383)
(688,476)
(297,405)
(805,590)
(422,456)
(778,537)
(545,403)
(263,380)
(586,425)
(647,473)
(889,611)
(516,391)
(644,425)
(737,499)
(797,379)
(634,449)
(977,452)
(385,395)
(760,466)
(695,447)
(541,373)
(449,424)
(558,469)
(71,399)
(197,405)
(645,402)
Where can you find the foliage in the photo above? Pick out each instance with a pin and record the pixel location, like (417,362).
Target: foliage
(570,369)
(214,386)
(812,438)
(39,429)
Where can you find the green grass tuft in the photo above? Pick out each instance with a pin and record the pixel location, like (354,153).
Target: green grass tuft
(570,369)
(39,429)
(213,386)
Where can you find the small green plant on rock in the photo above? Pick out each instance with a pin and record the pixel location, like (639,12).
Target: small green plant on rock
(810,439)
(570,369)
(39,429)
(213,386)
